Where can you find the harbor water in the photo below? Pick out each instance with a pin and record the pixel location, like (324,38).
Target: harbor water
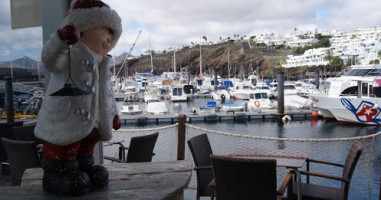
(323,140)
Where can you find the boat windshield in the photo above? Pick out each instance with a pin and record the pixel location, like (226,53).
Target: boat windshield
(356,72)
(289,87)
(258,96)
(374,72)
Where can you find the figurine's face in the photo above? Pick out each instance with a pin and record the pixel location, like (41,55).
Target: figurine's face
(98,40)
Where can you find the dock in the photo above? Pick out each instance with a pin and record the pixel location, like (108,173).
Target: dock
(215,117)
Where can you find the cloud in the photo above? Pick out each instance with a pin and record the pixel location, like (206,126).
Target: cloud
(354,14)
(172,24)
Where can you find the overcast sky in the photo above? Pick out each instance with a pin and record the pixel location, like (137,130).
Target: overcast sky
(174,23)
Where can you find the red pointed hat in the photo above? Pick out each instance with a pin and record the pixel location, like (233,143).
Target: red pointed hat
(85,14)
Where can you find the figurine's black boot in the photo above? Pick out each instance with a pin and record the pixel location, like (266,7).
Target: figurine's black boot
(97,173)
(64,178)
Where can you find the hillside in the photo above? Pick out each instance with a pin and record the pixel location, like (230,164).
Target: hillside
(214,58)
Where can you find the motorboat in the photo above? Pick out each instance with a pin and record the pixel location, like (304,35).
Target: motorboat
(152,93)
(242,90)
(131,90)
(131,109)
(354,97)
(259,101)
(221,95)
(291,98)
(157,108)
(178,94)
(233,106)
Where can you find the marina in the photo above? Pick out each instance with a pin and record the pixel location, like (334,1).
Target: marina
(283,109)
(233,123)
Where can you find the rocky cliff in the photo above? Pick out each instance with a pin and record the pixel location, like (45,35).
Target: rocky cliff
(215,58)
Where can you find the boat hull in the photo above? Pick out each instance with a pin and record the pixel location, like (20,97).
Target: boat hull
(351,110)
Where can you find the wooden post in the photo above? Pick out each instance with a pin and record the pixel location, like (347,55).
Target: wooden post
(181,138)
(280,97)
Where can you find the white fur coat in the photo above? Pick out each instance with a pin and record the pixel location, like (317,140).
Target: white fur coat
(64,120)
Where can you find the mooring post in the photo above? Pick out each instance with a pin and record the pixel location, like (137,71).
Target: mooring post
(181,138)
(280,97)
(317,79)
(9,99)
(215,81)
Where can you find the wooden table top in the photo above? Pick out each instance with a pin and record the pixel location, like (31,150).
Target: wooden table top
(150,180)
(284,158)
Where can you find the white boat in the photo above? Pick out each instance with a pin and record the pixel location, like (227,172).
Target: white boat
(152,93)
(354,97)
(178,94)
(219,94)
(291,98)
(242,90)
(233,106)
(157,108)
(259,101)
(131,90)
(131,109)
(262,87)
(305,89)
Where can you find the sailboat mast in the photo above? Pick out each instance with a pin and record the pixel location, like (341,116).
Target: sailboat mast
(174,60)
(229,64)
(150,51)
(151,62)
(200,60)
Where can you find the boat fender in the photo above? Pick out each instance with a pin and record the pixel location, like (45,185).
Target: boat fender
(257,103)
(286,118)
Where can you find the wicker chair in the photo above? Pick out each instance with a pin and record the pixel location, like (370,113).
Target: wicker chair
(139,150)
(26,133)
(201,150)
(6,132)
(22,155)
(312,191)
(247,179)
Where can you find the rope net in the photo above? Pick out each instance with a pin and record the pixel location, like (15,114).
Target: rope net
(363,184)
(365,181)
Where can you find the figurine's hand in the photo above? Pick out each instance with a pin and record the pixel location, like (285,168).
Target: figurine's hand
(116,123)
(69,34)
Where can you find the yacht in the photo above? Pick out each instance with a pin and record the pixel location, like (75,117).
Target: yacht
(354,97)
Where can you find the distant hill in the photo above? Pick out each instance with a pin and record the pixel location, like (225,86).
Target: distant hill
(24,63)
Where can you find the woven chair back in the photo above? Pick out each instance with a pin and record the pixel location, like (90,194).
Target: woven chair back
(244,179)
(141,148)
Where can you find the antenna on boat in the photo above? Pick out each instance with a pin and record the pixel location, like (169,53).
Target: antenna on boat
(129,53)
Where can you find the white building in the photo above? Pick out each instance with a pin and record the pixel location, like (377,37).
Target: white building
(363,45)
(311,57)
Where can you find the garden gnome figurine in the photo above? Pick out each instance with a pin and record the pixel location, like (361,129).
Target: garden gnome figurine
(72,125)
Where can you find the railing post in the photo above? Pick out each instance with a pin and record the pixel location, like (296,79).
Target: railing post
(181,138)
